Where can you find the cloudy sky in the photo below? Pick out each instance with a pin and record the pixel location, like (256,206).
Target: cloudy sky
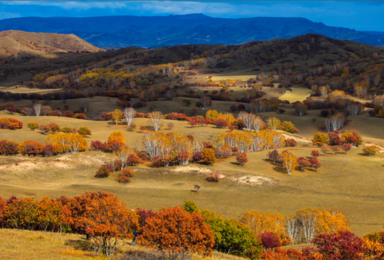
(359,15)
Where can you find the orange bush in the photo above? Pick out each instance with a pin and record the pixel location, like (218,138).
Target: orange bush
(175,231)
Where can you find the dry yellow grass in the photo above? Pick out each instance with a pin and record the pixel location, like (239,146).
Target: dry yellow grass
(37,245)
(297,94)
(24,89)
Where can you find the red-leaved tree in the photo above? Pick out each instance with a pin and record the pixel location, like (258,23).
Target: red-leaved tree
(177,233)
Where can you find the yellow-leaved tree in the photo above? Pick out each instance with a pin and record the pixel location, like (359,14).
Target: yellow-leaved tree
(117,136)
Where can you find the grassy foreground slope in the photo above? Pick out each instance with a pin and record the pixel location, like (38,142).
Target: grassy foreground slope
(38,245)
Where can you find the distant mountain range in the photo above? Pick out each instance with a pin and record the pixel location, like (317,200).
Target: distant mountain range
(157,31)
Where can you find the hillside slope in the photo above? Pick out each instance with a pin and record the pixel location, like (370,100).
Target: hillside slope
(122,31)
(19,44)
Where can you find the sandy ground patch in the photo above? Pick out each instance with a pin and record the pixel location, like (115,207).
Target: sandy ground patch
(252,180)
(61,162)
(190,169)
(245,179)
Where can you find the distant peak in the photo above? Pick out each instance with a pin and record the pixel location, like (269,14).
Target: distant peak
(197,15)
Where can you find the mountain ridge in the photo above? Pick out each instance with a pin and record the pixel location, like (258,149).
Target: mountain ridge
(157,31)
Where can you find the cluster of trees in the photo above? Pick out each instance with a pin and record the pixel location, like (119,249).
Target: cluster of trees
(171,148)
(10,123)
(53,127)
(250,141)
(65,143)
(179,231)
(8,147)
(290,162)
(116,142)
(55,144)
(351,137)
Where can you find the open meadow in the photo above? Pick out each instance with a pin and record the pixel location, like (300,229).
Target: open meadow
(35,245)
(345,181)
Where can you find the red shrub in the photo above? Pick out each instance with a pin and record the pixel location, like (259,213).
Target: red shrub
(143,155)
(8,147)
(315,153)
(270,240)
(241,158)
(343,245)
(220,123)
(48,150)
(97,145)
(113,146)
(133,160)
(290,142)
(68,114)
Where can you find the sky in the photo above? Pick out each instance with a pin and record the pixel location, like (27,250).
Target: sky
(358,15)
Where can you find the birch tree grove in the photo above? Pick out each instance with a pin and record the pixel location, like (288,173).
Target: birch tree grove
(156,120)
(289,161)
(308,221)
(162,145)
(251,142)
(292,228)
(129,114)
(273,123)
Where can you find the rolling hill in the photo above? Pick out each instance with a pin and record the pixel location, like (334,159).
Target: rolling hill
(19,44)
(123,31)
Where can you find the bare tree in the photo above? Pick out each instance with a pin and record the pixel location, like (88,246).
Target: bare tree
(248,120)
(156,120)
(37,108)
(129,114)
(84,108)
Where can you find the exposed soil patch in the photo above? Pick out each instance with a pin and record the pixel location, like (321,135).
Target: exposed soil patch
(242,179)
(252,180)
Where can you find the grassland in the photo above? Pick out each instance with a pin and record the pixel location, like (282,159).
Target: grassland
(348,182)
(24,89)
(297,94)
(37,245)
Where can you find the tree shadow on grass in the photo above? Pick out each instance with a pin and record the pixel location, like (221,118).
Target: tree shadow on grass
(79,244)
(280,169)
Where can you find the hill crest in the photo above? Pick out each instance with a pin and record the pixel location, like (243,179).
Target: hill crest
(20,44)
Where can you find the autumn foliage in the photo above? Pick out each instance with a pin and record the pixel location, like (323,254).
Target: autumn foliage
(242,158)
(208,156)
(107,220)
(10,123)
(174,232)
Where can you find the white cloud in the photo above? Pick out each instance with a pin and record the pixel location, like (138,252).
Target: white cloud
(86,5)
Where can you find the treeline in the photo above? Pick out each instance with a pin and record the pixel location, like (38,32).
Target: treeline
(55,144)
(254,235)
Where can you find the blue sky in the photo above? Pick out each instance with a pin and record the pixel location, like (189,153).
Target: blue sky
(359,15)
